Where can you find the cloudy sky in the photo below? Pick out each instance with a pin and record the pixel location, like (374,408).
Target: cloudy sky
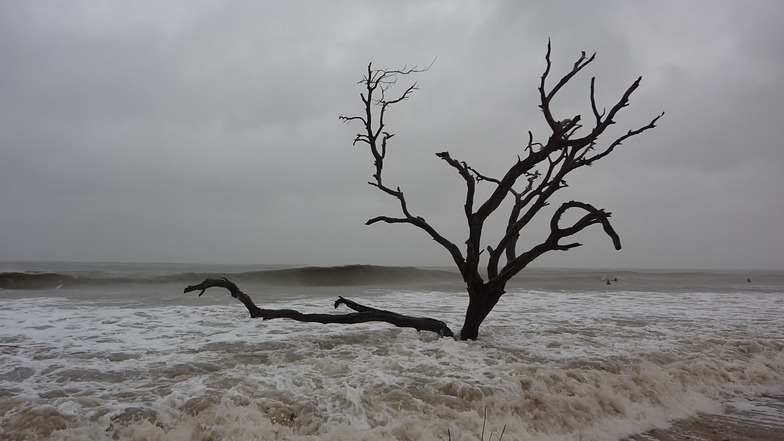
(202,131)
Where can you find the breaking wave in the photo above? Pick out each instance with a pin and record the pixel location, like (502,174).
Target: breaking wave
(346,275)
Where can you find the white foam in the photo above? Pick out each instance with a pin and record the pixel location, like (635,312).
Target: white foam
(549,366)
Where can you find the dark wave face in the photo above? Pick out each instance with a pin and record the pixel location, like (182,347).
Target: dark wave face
(348,275)
(37,281)
(168,276)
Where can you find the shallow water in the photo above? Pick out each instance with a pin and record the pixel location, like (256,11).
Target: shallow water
(142,361)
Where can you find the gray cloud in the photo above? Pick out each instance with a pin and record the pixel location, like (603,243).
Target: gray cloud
(208,132)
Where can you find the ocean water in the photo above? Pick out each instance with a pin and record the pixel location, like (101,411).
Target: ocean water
(118,352)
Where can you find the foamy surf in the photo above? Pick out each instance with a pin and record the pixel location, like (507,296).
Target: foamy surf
(549,366)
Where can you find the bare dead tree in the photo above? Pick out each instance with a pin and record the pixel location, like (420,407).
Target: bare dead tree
(542,169)
(530,182)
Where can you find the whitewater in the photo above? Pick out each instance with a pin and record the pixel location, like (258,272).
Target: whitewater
(118,352)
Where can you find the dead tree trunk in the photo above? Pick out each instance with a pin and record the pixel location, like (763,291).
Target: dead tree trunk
(363,313)
(480,303)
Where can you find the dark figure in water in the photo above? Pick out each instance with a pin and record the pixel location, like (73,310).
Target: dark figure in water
(608,282)
(748,280)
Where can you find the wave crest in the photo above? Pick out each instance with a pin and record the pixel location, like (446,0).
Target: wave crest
(349,275)
(345,275)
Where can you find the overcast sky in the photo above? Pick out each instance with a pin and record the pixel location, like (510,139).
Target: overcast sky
(202,131)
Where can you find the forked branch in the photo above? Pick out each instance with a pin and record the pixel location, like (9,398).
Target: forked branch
(363,313)
(594,216)
(376,101)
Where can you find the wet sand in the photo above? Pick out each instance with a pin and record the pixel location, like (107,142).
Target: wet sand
(759,420)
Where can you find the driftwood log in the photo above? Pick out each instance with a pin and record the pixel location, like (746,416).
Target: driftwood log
(362,314)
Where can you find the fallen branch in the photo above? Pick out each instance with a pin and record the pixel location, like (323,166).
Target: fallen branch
(363,313)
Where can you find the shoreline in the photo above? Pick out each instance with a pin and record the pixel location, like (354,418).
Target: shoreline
(758,419)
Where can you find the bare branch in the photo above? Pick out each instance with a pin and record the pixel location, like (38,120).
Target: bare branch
(546,97)
(420,222)
(596,113)
(347,119)
(602,125)
(531,144)
(464,171)
(378,84)
(620,140)
(594,216)
(363,313)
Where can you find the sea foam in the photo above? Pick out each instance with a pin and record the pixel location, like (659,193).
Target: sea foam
(548,366)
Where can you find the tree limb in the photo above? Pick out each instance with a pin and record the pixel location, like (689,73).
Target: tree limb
(363,313)
(594,216)
(379,82)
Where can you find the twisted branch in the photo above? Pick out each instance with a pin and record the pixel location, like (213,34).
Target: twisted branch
(363,313)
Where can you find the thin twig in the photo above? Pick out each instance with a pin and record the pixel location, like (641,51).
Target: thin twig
(484,421)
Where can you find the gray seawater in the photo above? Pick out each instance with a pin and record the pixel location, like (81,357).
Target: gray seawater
(118,352)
